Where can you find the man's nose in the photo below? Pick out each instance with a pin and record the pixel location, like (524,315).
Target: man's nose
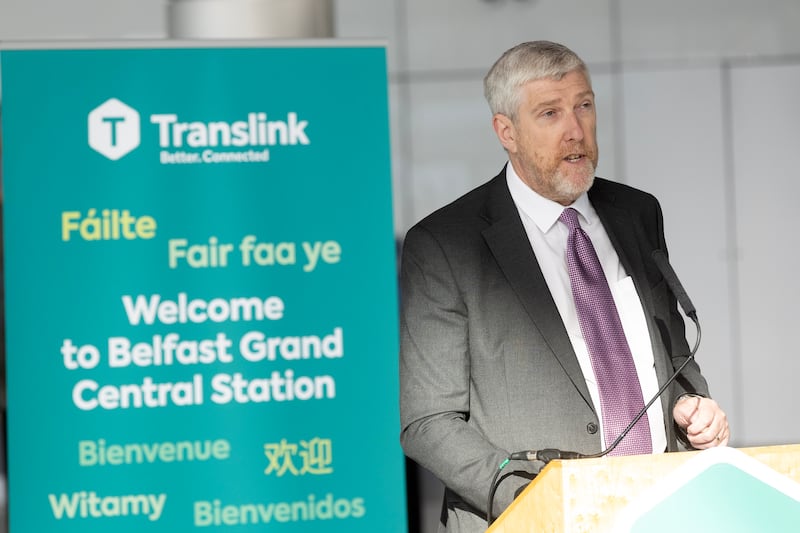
(573,128)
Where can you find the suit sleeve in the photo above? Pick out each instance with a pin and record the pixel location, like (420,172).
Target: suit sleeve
(435,379)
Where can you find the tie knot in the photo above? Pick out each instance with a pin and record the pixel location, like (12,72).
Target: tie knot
(569,217)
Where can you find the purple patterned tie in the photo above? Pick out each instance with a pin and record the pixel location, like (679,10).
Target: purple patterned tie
(612,362)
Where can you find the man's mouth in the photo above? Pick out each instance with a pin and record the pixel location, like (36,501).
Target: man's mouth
(572,158)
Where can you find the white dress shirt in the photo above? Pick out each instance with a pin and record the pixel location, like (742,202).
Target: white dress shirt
(549,241)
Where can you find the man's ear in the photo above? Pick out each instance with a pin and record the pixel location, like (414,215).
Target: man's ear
(506,132)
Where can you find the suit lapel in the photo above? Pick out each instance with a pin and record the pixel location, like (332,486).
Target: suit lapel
(621,230)
(511,248)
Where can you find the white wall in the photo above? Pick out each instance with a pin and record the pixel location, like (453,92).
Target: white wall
(697,104)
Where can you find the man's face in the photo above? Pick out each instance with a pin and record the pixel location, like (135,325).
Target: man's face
(552,143)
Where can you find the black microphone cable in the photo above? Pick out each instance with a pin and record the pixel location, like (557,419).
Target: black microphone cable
(641,413)
(549,454)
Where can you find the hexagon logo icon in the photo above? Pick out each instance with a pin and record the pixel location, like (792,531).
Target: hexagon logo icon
(114,129)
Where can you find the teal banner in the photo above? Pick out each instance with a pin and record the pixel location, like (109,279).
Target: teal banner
(200,283)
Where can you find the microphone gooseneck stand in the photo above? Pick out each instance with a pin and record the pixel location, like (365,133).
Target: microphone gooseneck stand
(549,454)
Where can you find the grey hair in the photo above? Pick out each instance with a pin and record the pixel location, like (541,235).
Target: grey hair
(523,63)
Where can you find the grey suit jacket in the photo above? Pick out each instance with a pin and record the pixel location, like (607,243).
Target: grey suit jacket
(486,365)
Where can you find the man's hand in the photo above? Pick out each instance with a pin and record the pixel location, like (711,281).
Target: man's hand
(705,423)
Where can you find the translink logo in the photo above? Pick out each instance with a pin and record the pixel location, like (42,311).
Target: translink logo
(114,131)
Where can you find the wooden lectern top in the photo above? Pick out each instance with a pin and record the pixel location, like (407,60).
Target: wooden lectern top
(586,495)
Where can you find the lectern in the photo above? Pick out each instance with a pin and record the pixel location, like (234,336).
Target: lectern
(745,486)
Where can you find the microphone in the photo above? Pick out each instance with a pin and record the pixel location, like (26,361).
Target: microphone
(675,286)
(546,455)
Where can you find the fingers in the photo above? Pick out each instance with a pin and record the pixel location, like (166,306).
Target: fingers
(685,410)
(724,436)
(707,425)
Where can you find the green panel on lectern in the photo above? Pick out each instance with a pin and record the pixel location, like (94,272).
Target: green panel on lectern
(723,498)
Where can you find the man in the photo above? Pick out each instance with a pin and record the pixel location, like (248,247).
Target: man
(495,357)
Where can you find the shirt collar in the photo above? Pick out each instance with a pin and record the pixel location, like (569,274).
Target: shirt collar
(543,211)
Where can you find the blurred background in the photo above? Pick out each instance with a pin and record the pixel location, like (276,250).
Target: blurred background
(697,103)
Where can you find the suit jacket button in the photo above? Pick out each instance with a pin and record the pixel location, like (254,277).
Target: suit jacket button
(591,427)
